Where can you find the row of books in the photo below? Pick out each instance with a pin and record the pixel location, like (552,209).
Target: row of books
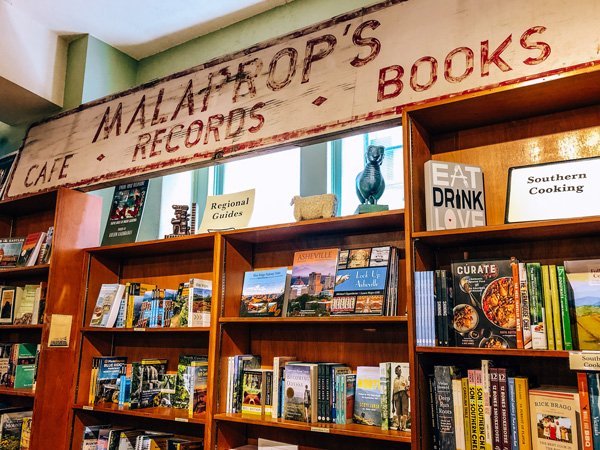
(31,250)
(489,408)
(22,305)
(588,386)
(143,305)
(18,365)
(15,427)
(320,392)
(148,383)
(108,437)
(509,304)
(324,282)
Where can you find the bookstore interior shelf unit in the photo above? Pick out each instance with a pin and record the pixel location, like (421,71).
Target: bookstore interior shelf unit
(76,220)
(554,119)
(355,341)
(166,264)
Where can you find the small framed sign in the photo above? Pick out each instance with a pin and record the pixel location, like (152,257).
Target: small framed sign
(557,190)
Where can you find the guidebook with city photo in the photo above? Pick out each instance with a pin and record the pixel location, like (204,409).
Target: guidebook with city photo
(313,281)
(263,292)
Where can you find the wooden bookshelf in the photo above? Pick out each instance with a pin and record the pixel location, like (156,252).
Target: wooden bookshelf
(496,130)
(76,220)
(165,263)
(353,340)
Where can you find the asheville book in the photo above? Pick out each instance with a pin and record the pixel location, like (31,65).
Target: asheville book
(313,281)
(361,281)
(584,279)
(263,293)
(484,305)
(454,196)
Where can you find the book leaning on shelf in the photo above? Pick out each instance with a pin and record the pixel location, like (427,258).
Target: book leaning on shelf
(10,250)
(107,305)
(31,249)
(115,437)
(265,292)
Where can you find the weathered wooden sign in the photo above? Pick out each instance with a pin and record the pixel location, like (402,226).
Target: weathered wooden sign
(359,68)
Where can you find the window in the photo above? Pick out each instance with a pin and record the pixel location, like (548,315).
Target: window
(347,160)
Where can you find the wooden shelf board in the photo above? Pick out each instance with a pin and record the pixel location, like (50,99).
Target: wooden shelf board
(172,414)
(353,430)
(24,271)
(489,352)
(333,319)
(538,230)
(17,392)
(183,244)
(360,223)
(145,330)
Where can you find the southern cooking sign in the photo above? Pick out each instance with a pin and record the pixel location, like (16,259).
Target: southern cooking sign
(359,68)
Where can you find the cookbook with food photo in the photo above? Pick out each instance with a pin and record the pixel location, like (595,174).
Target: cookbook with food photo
(484,312)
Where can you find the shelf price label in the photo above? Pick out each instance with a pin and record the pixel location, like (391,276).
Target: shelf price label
(139,329)
(585,360)
(88,408)
(181,419)
(319,429)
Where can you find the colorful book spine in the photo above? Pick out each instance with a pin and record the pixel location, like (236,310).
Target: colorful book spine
(565,313)
(525,306)
(459,413)
(495,415)
(514,265)
(584,405)
(593,379)
(512,410)
(486,365)
(556,310)
(504,413)
(464,382)
(539,340)
(522,407)
(547,296)
(444,406)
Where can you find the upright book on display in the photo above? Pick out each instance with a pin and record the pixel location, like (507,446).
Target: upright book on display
(584,279)
(263,292)
(454,196)
(125,213)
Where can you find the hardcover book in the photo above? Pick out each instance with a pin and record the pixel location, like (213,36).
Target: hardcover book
(10,250)
(313,282)
(454,195)
(584,279)
(555,418)
(198,376)
(484,312)
(300,390)
(7,299)
(445,405)
(125,213)
(27,304)
(263,292)
(361,281)
(400,414)
(31,248)
(107,306)
(367,402)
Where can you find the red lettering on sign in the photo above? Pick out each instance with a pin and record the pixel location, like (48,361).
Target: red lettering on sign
(244,76)
(238,114)
(64,166)
(373,43)
(156,117)
(414,70)
(292,54)
(208,90)
(214,122)
(384,82)
(186,99)
(177,129)
(141,145)
(141,109)
(310,57)
(258,117)
(156,140)
(487,59)
(104,124)
(543,47)
(449,63)
(199,125)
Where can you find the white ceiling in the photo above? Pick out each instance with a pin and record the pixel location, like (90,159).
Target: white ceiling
(141,28)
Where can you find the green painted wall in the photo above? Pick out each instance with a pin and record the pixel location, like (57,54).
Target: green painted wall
(270,24)
(75,76)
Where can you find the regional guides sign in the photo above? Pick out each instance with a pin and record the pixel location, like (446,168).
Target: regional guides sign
(353,70)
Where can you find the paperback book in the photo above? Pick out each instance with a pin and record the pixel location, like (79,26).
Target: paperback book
(555,418)
(263,292)
(300,388)
(361,281)
(107,306)
(367,403)
(10,250)
(31,248)
(313,282)
(199,302)
(125,213)
(484,313)
(584,280)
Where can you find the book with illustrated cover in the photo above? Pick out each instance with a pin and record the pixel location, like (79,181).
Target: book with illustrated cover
(584,280)
(46,249)
(199,302)
(11,425)
(255,383)
(555,418)
(183,385)
(367,401)
(10,250)
(399,407)
(146,380)
(313,282)
(484,313)
(198,376)
(361,281)
(7,301)
(125,213)
(107,378)
(31,249)
(90,436)
(26,305)
(179,317)
(107,306)
(263,292)
(134,300)
(454,195)
(300,392)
